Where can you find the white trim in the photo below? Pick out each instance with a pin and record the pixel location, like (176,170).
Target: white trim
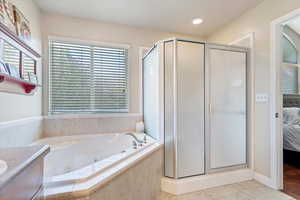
(129,81)
(20,121)
(276,137)
(89,42)
(249,35)
(93,116)
(45,77)
(263,179)
(251,76)
(193,184)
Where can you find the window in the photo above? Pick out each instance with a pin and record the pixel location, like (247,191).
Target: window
(14,56)
(87,79)
(290,53)
(289,67)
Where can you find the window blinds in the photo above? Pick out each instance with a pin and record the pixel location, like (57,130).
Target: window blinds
(87,79)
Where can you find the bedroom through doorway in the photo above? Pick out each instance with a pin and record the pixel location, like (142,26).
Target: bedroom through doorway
(290,89)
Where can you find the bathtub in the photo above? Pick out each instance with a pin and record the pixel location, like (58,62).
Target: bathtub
(83,163)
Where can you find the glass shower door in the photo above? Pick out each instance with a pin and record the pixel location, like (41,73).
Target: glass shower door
(226,108)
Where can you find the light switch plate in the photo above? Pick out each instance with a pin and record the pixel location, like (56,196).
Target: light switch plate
(262,98)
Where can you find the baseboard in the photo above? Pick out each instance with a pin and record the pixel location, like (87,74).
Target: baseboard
(264,180)
(193,184)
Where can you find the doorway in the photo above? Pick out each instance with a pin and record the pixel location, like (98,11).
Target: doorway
(290,91)
(285,104)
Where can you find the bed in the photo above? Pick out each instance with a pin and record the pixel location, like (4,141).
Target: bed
(291,128)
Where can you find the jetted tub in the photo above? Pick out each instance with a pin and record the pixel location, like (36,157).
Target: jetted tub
(80,163)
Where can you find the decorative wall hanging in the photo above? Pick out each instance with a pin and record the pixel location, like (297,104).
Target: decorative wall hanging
(7,16)
(22,25)
(15,20)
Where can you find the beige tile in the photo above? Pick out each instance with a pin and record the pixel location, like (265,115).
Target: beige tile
(229,193)
(221,192)
(257,192)
(273,196)
(79,126)
(248,185)
(233,196)
(249,190)
(195,196)
(141,182)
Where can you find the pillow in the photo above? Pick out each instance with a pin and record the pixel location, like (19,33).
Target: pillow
(291,114)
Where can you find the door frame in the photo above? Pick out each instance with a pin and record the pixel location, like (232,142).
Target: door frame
(276,103)
(251,94)
(208,167)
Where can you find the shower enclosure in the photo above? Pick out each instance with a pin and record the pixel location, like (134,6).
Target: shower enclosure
(195,102)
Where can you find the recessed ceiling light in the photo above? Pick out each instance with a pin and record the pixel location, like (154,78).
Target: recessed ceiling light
(197,21)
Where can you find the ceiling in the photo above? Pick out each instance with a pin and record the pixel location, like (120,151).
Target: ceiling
(165,15)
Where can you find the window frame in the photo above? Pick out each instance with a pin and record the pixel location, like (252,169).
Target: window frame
(287,64)
(47,73)
(290,40)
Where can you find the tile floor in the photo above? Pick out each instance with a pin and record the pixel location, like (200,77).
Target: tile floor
(249,190)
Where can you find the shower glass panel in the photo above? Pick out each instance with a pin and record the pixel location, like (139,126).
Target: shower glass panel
(227,108)
(151,93)
(184,109)
(195,103)
(190,108)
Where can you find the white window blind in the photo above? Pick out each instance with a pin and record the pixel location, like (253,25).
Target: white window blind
(87,78)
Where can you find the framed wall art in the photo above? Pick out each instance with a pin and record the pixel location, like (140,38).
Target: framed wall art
(22,25)
(7,16)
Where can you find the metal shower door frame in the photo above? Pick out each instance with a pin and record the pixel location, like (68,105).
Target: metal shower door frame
(209,46)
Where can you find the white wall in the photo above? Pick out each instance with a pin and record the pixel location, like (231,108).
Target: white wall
(14,129)
(258,20)
(13,106)
(83,29)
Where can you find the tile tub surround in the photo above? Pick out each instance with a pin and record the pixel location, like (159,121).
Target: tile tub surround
(89,124)
(25,130)
(18,159)
(141,182)
(28,130)
(140,174)
(249,190)
(24,173)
